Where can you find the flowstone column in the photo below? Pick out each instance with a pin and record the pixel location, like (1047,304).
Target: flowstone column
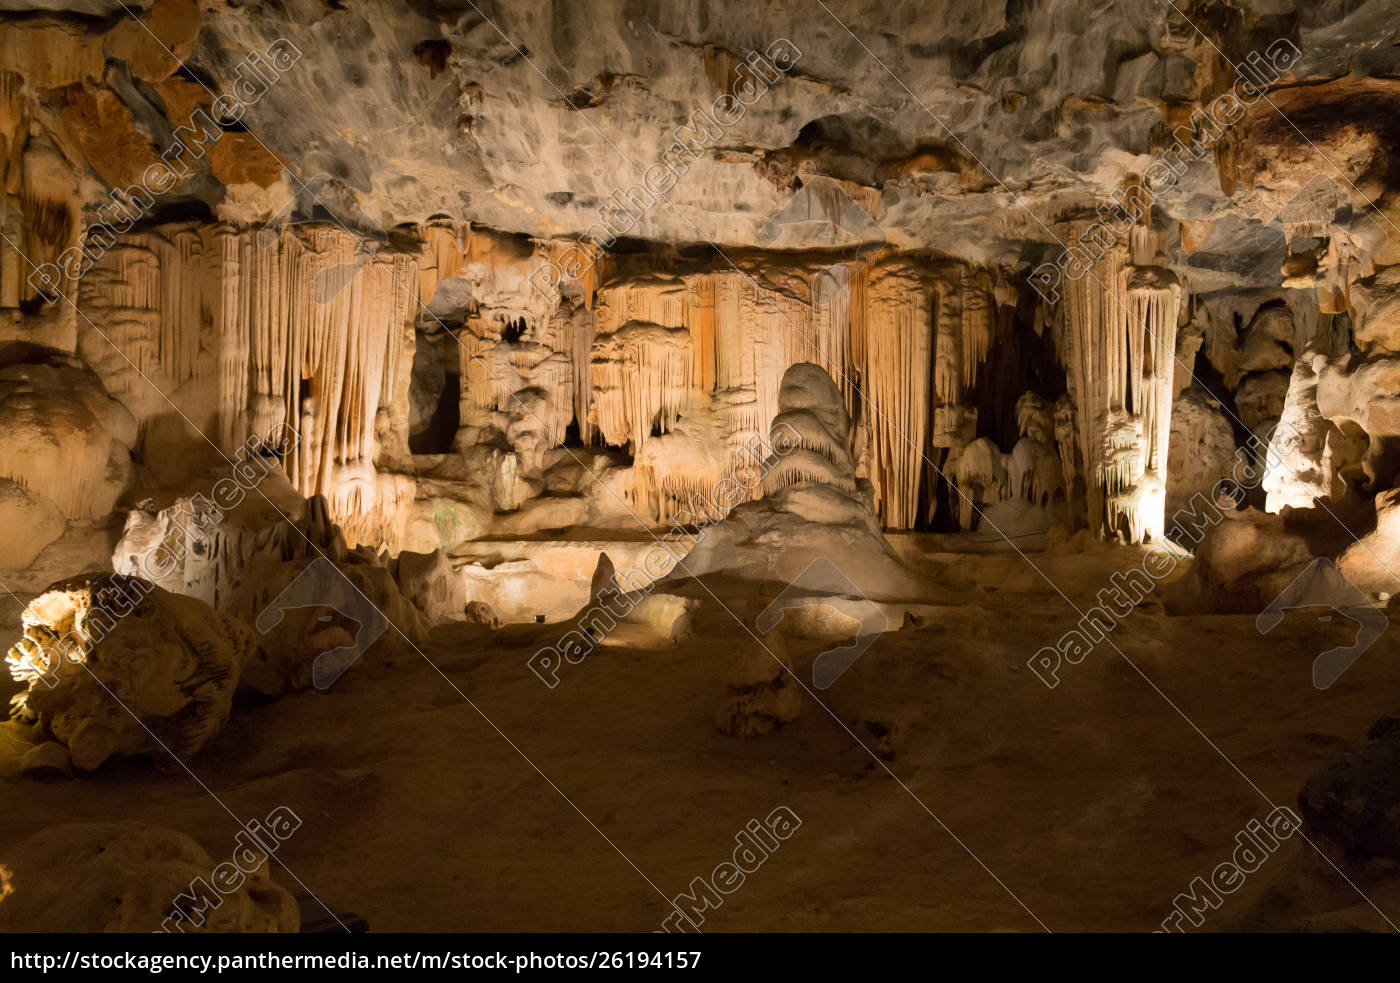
(1118,346)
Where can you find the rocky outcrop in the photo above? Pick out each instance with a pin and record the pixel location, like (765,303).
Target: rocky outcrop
(117,666)
(1242,562)
(293,579)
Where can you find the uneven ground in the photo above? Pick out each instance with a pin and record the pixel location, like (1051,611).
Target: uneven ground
(1095,803)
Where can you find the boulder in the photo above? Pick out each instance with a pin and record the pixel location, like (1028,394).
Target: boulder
(118,666)
(124,877)
(1242,563)
(63,436)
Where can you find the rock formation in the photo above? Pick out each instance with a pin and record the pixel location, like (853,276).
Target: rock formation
(117,666)
(125,876)
(1350,806)
(813,507)
(394,338)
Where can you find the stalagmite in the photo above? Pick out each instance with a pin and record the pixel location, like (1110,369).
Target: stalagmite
(979,479)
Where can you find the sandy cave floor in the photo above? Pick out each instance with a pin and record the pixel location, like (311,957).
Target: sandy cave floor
(1096,803)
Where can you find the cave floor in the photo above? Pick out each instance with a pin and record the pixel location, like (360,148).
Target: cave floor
(466,796)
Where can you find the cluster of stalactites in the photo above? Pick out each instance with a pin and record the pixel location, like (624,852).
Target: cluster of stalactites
(873,328)
(318,315)
(982,476)
(641,381)
(306,328)
(1118,345)
(149,294)
(526,388)
(675,474)
(898,347)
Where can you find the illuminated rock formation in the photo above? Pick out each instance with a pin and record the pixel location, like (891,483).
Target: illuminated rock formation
(813,510)
(303,330)
(117,666)
(1119,348)
(62,438)
(241,560)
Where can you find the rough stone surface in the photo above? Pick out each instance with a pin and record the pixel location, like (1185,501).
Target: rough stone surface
(124,877)
(116,666)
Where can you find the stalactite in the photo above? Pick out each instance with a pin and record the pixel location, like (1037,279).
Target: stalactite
(1121,324)
(1035,418)
(140,294)
(899,360)
(675,474)
(978,311)
(979,479)
(641,380)
(701,319)
(1066,440)
(303,329)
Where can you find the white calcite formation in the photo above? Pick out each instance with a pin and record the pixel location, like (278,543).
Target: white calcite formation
(813,509)
(117,666)
(1120,322)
